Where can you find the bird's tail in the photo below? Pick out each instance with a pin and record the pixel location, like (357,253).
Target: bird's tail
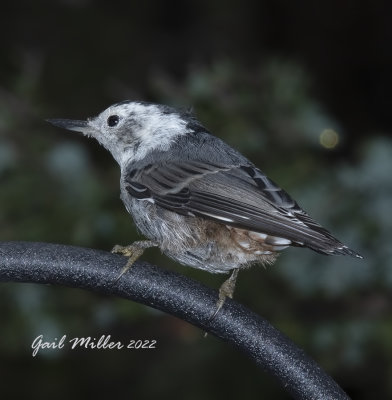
(321,240)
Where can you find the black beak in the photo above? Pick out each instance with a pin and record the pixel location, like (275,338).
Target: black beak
(70,124)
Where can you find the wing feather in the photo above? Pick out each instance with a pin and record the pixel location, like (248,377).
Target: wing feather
(240,196)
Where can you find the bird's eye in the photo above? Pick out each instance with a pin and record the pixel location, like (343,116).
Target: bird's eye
(113,120)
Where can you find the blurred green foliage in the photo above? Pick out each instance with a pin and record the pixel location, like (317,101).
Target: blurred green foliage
(59,187)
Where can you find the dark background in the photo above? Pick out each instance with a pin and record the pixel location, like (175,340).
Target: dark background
(302,88)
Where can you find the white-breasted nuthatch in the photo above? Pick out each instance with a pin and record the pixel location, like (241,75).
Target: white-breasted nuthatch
(196,198)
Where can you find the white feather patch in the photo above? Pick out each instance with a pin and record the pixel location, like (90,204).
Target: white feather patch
(244,244)
(278,241)
(218,217)
(279,248)
(257,236)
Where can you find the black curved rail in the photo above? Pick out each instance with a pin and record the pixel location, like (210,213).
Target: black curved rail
(175,294)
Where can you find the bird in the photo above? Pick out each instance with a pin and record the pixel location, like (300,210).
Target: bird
(200,201)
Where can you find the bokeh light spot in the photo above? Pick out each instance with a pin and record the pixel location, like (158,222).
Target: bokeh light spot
(329,138)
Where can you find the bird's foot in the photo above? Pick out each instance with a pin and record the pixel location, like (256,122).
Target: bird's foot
(133,252)
(226,290)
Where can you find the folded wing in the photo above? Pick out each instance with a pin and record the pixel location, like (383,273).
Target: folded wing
(240,196)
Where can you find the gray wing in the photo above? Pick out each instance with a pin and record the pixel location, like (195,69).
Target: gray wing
(240,196)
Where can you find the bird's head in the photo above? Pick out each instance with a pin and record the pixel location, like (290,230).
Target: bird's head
(130,129)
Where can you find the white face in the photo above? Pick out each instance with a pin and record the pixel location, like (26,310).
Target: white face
(129,130)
